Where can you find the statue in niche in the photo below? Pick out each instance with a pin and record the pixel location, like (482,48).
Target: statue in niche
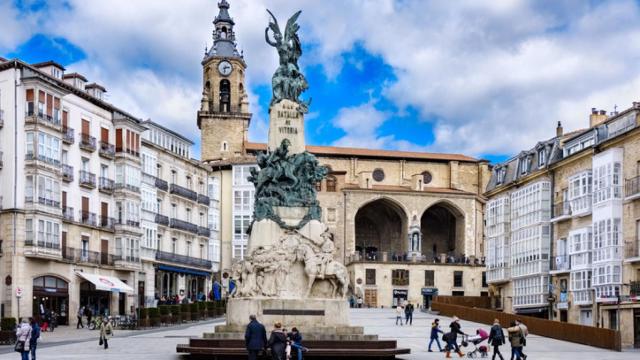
(287,82)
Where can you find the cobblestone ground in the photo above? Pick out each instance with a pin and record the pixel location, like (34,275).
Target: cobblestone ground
(160,344)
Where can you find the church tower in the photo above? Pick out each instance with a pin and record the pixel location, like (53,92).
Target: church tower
(224,115)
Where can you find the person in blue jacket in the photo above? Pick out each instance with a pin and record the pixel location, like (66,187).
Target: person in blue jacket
(435,329)
(255,337)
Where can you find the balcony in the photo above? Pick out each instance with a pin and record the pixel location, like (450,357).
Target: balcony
(634,288)
(67,173)
(87,179)
(632,188)
(87,142)
(124,152)
(162,220)
(183,225)
(126,262)
(123,186)
(183,259)
(88,218)
(162,185)
(561,211)
(407,258)
(67,214)
(560,265)
(87,257)
(632,251)
(33,159)
(204,231)
(203,199)
(48,202)
(105,185)
(128,225)
(184,192)
(42,250)
(107,150)
(53,122)
(68,135)
(107,223)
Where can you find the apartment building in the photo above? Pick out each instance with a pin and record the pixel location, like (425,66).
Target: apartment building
(587,211)
(88,191)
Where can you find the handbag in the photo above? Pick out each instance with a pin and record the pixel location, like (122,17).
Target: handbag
(19,346)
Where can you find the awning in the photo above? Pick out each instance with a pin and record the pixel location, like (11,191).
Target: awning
(106,283)
(183,270)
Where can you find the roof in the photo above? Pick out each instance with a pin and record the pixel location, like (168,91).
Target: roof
(96,86)
(223,15)
(48,63)
(2,59)
(74,75)
(155,124)
(372,153)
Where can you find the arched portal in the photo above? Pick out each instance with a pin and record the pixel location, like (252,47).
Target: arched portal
(442,227)
(381,226)
(51,293)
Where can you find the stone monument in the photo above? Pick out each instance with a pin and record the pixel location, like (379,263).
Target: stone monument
(290,274)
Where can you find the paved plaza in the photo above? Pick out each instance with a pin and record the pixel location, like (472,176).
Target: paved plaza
(159,344)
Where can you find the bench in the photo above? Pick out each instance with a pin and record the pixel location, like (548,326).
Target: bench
(220,349)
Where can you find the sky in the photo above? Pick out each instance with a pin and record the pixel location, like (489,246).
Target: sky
(482,78)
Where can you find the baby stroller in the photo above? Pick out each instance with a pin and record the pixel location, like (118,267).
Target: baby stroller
(474,344)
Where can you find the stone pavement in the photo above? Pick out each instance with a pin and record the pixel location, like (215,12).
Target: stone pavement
(160,343)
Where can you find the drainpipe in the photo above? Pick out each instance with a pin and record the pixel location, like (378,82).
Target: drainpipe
(551,243)
(344,226)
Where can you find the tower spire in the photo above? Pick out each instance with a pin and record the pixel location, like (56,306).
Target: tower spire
(224,38)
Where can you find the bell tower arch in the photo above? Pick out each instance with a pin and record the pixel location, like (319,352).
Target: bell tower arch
(223,118)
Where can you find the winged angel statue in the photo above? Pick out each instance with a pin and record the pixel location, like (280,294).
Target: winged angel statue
(287,82)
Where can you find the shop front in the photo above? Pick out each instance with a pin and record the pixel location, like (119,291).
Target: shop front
(97,292)
(428,294)
(51,294)
(184,282)
(400,296)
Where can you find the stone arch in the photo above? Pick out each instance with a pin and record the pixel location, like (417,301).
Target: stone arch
(442,225)
(381,227)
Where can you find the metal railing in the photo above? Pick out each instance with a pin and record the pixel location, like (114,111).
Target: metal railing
(126,258)
(68,135)
(162,184)
(183,225)
(631,249)
(87,142)
(42,244)
(127,222)
(107,150)
(203,231)
(85,256)
(562,208)
(203,199)
(183,191)
(561,263)
(634,288)
(88,218)
(40,117)
(183,259)
(632,186)
(402,257)
(87,179)
(67,213)
(105,185)
(67,173)
(48,202)
(107,222)
(162,219)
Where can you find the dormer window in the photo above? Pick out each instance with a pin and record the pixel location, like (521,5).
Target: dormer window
(525,165)
(500,173)
(541,158)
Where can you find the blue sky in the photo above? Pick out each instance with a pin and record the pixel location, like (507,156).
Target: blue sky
(486,80)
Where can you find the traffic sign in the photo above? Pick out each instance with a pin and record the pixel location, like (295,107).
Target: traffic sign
(18,292)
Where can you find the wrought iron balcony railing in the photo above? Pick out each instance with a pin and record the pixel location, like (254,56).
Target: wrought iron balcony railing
(203,231)
(87,142)
(67,173)
(68,135)
(106,185)
(183,259)
(88,218)
(632,186)
(203,199)
(162,220)
(87,179)
(183,191)
(85,256)
(183,225)
(162,184)
(107,150)
(67,213)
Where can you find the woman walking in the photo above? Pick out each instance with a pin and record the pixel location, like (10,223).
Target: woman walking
(496,339)
(23,339)
(515,338)
(35,335)
(452,338)
(277,342)
(106,329)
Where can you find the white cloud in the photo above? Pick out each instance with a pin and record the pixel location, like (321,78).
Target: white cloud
(511,68)
(16,28)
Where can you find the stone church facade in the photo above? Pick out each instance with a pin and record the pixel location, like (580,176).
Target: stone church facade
(408,225)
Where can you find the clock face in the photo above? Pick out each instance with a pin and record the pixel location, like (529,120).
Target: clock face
(225,67)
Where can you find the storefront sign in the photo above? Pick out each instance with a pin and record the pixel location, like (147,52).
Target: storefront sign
(400,293)
(430,291)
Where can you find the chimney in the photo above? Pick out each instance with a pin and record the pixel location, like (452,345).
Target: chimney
(559,130)
(597,117)
(636,104)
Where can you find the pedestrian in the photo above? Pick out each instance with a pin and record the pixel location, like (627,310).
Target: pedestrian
(255,337)
(106,329)
(525,333)
(79,324)
(408,313)
(23,339)
(87,313)
(452,337)
(53,316)
(35,335)
(295,340)
(277,342)
(435,330)
(359,302)
(399,314)
(515,339)
(496,339)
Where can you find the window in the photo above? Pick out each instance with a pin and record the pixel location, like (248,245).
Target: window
(400,277)
(48,148)
(28,224)
(48,234)
(429,280)
(28,191)
(378,175)
(457,293)
(426,177)
(48,191)
(457,279)
(188,248)
(85,247)
(30,150)
(174,245)
(331,184)
(500,174)
(188,215)
(174,177)
(525,164)
(174,211)
(541,157)
(484,279)
(189,183)
(370,277)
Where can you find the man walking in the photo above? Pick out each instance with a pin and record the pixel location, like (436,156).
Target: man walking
(525,333)
(408,313)
(399,314)
(255,337)
(79,316)
(435,329)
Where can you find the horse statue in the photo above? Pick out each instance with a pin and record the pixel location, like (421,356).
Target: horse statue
(335,272)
